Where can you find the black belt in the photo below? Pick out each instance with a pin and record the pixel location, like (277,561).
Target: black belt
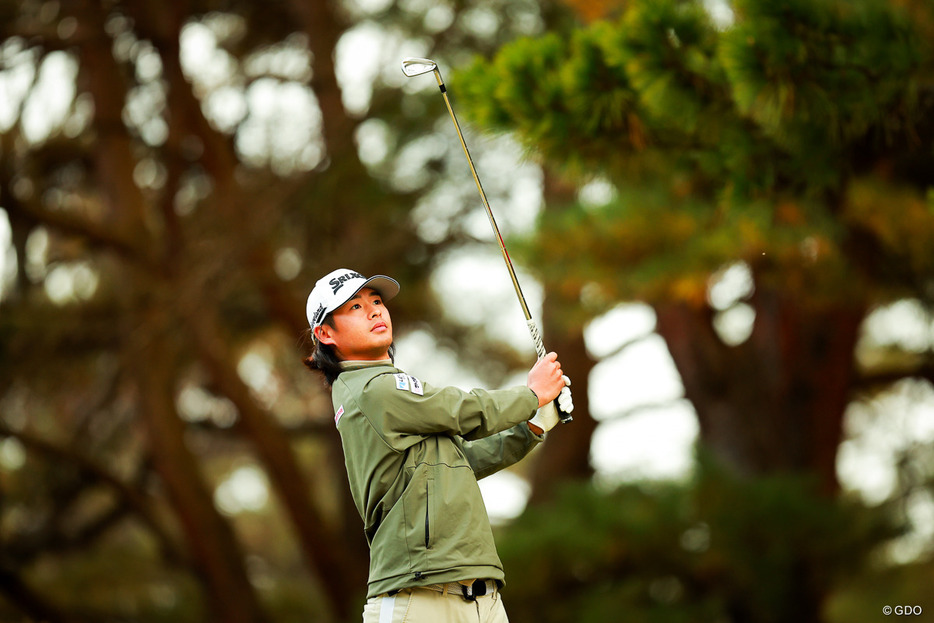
(470,592)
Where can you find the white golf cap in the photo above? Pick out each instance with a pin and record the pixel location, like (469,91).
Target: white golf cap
(338,287)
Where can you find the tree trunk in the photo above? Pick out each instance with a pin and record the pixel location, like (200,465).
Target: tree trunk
(320,21)
(776,402)
(340,568)
(210,539)
(566,454)
(114,160)
(342,577)
(773,404)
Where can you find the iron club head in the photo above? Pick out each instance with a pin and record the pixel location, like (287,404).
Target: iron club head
(418,66)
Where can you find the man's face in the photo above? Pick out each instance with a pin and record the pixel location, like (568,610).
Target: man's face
(362,328)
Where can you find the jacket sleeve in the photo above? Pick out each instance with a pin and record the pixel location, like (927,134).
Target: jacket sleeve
(396,407)
(491,454)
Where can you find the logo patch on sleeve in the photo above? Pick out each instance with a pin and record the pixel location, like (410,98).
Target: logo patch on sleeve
(337,416)
(407,383)
(402,382)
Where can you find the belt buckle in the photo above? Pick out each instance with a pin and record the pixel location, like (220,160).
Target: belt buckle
(477,589)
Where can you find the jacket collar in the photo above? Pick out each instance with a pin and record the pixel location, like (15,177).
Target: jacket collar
(359,365)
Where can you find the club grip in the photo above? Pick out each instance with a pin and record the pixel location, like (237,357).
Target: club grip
(563,416)
(536,338)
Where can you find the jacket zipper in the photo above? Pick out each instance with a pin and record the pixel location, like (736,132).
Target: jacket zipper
(427,526)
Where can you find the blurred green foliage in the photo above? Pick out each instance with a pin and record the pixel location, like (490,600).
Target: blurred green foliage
(767,140)
(714,548)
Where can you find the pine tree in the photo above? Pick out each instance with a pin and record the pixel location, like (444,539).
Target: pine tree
(794,142)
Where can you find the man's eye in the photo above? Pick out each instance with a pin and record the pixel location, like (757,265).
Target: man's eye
(355,306)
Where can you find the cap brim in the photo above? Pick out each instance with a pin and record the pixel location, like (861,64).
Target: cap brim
(387,287)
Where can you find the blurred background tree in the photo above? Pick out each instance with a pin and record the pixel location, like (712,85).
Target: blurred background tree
(766,174)
(177,175)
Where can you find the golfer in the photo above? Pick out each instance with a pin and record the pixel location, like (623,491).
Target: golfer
(414,454)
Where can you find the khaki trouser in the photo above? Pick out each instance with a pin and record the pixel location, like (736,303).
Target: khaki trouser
(421,605)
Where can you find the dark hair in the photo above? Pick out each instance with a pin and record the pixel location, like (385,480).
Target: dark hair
(323,358)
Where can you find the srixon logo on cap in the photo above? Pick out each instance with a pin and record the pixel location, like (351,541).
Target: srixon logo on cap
(338,282)
(319,314)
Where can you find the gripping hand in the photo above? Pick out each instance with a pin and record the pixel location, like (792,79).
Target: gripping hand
(558,410)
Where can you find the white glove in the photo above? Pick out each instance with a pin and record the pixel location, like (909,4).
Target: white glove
(547,417)
(564,398)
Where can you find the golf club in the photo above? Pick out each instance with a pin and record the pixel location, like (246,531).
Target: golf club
(416,67)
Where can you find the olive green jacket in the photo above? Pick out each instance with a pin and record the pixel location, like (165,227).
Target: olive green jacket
(414,454)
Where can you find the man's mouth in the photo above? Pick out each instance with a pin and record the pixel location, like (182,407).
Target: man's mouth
(378,326)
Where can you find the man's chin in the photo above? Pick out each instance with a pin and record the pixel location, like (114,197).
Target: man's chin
(379,351)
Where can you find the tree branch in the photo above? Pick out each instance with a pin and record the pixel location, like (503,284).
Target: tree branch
(312,427)
(95,234)
(646,407)
(627,344)
(874,380)
(132,498)
(26,599)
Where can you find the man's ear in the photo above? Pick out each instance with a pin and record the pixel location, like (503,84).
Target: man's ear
(324,334)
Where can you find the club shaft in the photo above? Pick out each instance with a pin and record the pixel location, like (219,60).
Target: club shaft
(533,327)
(536,337)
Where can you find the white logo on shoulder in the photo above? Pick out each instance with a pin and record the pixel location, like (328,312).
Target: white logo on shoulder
(337,416)
(407,383)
